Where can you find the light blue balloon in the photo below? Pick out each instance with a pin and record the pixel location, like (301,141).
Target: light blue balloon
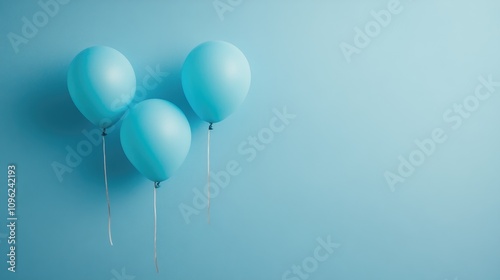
(156,137)
(216,79)
(102,84)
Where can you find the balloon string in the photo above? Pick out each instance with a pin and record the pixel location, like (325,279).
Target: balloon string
(208,170)
(156,185)
(106,184)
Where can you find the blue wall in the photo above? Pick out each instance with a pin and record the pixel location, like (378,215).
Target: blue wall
(361,100)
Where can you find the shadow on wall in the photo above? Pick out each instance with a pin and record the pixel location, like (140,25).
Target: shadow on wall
(47,112)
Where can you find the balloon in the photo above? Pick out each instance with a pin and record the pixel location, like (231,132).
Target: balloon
(101,83)
(156,137)
(216,79)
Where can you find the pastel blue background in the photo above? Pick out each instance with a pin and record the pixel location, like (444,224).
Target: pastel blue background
(323,175)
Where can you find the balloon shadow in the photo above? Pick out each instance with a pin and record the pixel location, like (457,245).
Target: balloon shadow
(47,112)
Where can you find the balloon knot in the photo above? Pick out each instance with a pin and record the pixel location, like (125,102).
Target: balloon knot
(210,126)
(104,132)
(157,185)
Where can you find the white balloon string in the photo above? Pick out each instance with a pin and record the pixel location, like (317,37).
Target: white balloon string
(106,184)
(156,185)
(208,170)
